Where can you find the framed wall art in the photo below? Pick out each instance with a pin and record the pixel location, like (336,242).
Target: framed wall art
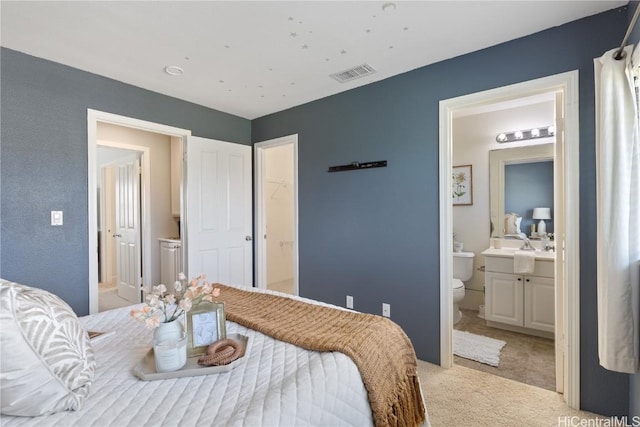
(462,187)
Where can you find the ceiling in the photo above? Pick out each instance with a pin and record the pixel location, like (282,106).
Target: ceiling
(255,58)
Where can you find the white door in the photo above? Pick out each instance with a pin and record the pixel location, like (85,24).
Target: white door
(219,211)
(559,228)
(128,230)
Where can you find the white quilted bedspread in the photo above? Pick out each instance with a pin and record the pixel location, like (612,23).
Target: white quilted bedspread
(279,385)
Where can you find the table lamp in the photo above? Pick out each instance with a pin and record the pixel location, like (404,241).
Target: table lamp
(542,214)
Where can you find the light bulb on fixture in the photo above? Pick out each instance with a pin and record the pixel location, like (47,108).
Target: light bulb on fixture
(526,134)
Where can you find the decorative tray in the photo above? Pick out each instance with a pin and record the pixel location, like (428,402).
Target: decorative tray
(146,369)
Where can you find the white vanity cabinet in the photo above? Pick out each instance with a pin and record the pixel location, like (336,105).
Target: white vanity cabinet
(520,302)
(170,260)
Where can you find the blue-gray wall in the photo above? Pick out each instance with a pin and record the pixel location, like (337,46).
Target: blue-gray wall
(44,163)
(373,233)
(528,186)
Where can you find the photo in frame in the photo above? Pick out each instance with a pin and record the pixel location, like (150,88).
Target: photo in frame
(462,185)
(205,325)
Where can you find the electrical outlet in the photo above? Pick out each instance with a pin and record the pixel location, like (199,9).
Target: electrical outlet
(349,301)
(386,309)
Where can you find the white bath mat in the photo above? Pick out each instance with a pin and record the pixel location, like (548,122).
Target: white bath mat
(477,347)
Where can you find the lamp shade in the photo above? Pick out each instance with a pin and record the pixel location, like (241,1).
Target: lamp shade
(541,213)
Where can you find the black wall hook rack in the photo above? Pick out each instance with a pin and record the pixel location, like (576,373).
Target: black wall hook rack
(357,166)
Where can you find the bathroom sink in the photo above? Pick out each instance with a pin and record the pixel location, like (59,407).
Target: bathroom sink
(509,252)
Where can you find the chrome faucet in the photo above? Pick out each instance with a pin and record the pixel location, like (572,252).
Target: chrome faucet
(526,246)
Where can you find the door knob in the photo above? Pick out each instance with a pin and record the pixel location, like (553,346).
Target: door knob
(248,238)
(117,235)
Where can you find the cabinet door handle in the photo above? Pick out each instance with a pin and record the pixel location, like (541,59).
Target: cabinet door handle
(528,280)
(519,279)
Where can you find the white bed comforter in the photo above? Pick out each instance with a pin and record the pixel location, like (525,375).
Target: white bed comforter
(279,385)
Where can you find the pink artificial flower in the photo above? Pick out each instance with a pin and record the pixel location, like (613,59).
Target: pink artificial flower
(152,322)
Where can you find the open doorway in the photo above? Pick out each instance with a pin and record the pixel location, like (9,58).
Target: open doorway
(511,179)
(566,203)
(157,217)
(135,164)
(277,215)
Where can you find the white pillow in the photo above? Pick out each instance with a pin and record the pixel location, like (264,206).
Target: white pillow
(512,223)
(46,359)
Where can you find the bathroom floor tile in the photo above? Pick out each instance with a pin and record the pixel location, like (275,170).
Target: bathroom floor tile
(525,358)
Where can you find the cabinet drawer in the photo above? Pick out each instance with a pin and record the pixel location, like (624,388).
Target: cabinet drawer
(505,265)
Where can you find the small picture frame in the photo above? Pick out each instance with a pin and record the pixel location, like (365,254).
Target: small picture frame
(462,185)
(205,325)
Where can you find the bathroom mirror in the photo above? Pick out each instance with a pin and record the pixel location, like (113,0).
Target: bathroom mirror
(498,162)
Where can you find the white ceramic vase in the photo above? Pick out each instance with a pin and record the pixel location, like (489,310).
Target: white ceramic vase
(170,346)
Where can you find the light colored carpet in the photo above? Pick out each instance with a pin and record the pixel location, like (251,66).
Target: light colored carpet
(465,397)
(285,286)
(108,299)
(477,347)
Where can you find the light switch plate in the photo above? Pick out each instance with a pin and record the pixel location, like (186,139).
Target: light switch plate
(56,218)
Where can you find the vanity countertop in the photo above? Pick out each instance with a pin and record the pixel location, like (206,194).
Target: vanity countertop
(170,239)
(509,252)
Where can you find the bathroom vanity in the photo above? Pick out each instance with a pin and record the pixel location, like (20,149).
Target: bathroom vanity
(520,302)
(170,260)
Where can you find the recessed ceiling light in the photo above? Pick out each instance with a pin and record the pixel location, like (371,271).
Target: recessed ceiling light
(388,7)
(173,70)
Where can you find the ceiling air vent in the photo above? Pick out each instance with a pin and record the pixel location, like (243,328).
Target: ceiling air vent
(353,73)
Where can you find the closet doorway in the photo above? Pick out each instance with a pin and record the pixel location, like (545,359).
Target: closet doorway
(276,176)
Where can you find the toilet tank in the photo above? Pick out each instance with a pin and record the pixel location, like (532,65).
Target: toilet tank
(463,265)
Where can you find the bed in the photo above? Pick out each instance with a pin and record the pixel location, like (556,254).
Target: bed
(279,384)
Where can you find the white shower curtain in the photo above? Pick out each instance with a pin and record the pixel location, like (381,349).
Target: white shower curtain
(618,208)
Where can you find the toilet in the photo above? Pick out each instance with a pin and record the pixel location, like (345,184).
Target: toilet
(462,271)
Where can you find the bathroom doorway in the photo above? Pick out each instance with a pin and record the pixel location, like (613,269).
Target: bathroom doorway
(562,91)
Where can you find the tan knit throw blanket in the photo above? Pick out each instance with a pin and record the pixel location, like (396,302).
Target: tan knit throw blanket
(379,347)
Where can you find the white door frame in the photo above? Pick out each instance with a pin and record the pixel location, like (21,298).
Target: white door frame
(568,84)
(93,117)
(260,220)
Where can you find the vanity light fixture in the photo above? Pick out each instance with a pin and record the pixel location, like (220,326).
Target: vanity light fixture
(523,135)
